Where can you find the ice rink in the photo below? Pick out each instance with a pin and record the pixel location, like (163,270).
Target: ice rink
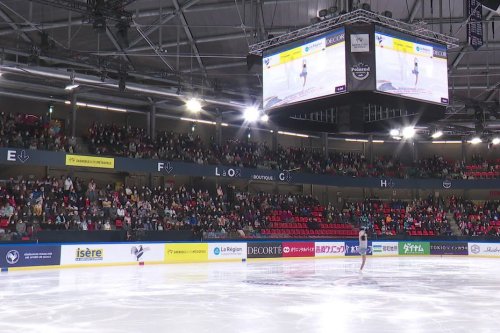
(391,295)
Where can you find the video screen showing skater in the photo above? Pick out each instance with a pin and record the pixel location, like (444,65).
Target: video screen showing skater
(410,67)
(305,70)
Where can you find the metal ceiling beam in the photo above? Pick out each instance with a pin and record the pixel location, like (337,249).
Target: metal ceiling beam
(185,26)
(260,17)
(77,21)
(414,9)
(145,13)
(217,38)
(358,15)
(219,66)
(491,95)
(478,67)
(458,58)
(163,20)
(118,47)
(139,76)
(207,39)
(14,26)
(156,51)
(110,10)
(142,89)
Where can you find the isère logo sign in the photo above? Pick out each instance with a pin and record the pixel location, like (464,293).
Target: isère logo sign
(88,254)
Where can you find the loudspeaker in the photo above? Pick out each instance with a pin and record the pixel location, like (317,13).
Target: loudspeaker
(254,63)
(493,5)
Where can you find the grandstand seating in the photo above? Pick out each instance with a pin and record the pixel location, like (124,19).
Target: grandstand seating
(477,218)
(28,131)
(419,218)
(297,226)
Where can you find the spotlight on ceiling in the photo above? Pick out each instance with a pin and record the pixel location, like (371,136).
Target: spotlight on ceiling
(193,105)
(251,114)
(437,134)
(315,20)
(264,118)
(394,132)
(476,140)
(387,13)
(72,86)
(408,132)
(322,13)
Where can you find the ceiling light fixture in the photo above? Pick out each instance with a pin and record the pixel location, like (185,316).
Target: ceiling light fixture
(437,134)
(251,114)
(476,140)
(193,105)
(408,132)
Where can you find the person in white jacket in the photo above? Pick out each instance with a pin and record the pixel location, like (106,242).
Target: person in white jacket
(363,246)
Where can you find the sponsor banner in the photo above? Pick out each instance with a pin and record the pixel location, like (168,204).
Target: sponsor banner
(227,251)
(298,249)
(330,249)
(475,24)
(484,249)
(186,252)
(352,248)
(92,254)
(414,248)
(265,250)
(360,58)
(24,256)
(449,248)
(360,43)
(90,161)
(385,248)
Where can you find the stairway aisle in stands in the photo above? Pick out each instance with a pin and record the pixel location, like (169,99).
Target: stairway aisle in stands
(455,228)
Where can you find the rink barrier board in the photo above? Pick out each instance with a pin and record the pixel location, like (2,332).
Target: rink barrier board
(82,266)
(15,257)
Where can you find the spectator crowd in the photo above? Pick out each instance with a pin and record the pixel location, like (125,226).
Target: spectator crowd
(425,217)
(33,132)
(28,206)
(477,218)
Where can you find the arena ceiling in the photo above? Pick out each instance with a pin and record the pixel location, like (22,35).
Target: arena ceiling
(167,50)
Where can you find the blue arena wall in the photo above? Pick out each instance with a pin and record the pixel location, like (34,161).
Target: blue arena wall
(16,156)
(29,256)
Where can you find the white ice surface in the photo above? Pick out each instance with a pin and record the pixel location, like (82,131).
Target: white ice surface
(392,295)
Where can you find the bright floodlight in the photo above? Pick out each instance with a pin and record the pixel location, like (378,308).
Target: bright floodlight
(251,114)
(408,132)
(437,134)
(264,118)
(71,86)
(394,132)
(495,141)
(193,105)
(476,140)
